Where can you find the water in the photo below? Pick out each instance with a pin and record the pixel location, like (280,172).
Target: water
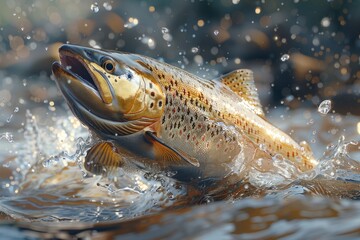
(44,182)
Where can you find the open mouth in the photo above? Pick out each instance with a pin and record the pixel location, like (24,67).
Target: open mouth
(77,67)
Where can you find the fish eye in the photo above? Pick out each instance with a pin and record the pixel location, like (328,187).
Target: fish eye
(108,65)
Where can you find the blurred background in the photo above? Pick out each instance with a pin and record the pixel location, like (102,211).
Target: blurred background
(302,52)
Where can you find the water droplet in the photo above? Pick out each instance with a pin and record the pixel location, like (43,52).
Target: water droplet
(325,22)
(262,147)
(94,7)
(285,57)
(8,136)
(9,118)
(107,6)
(132,22)
(216,32)
(194,50)
(164,30)
(16,109)
(324,107)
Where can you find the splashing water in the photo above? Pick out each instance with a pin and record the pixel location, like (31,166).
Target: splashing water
(48,169)
(48,183)
(7,136)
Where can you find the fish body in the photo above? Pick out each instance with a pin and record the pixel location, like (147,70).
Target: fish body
(165,118)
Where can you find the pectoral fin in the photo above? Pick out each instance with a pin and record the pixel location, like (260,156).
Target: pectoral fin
(165,153)
(102,158)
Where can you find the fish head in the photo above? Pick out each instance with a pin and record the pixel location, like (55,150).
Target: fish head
(108,91)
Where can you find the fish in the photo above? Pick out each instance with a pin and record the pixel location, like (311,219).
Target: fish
(154,116)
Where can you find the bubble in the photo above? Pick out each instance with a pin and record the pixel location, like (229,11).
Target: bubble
(194,50)
(198,59)
(324,107)
(164,30)
(149,42)
(107,6)
(325,22)
(285,57)
(132,22)
(94,7)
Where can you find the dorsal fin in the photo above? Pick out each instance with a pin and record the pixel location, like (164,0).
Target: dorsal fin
(241,82)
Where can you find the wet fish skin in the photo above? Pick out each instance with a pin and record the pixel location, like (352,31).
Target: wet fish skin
(170,119)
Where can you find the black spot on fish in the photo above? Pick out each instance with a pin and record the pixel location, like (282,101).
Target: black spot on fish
(129,75)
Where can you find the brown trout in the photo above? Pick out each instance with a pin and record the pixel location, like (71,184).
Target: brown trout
(159,117)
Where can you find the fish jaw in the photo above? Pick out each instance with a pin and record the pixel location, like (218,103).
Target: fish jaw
(78,61)
(76,90)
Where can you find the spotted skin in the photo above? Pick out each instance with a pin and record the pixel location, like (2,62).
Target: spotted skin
(208,120)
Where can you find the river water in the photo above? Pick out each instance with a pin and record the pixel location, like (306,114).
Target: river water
(46,192)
